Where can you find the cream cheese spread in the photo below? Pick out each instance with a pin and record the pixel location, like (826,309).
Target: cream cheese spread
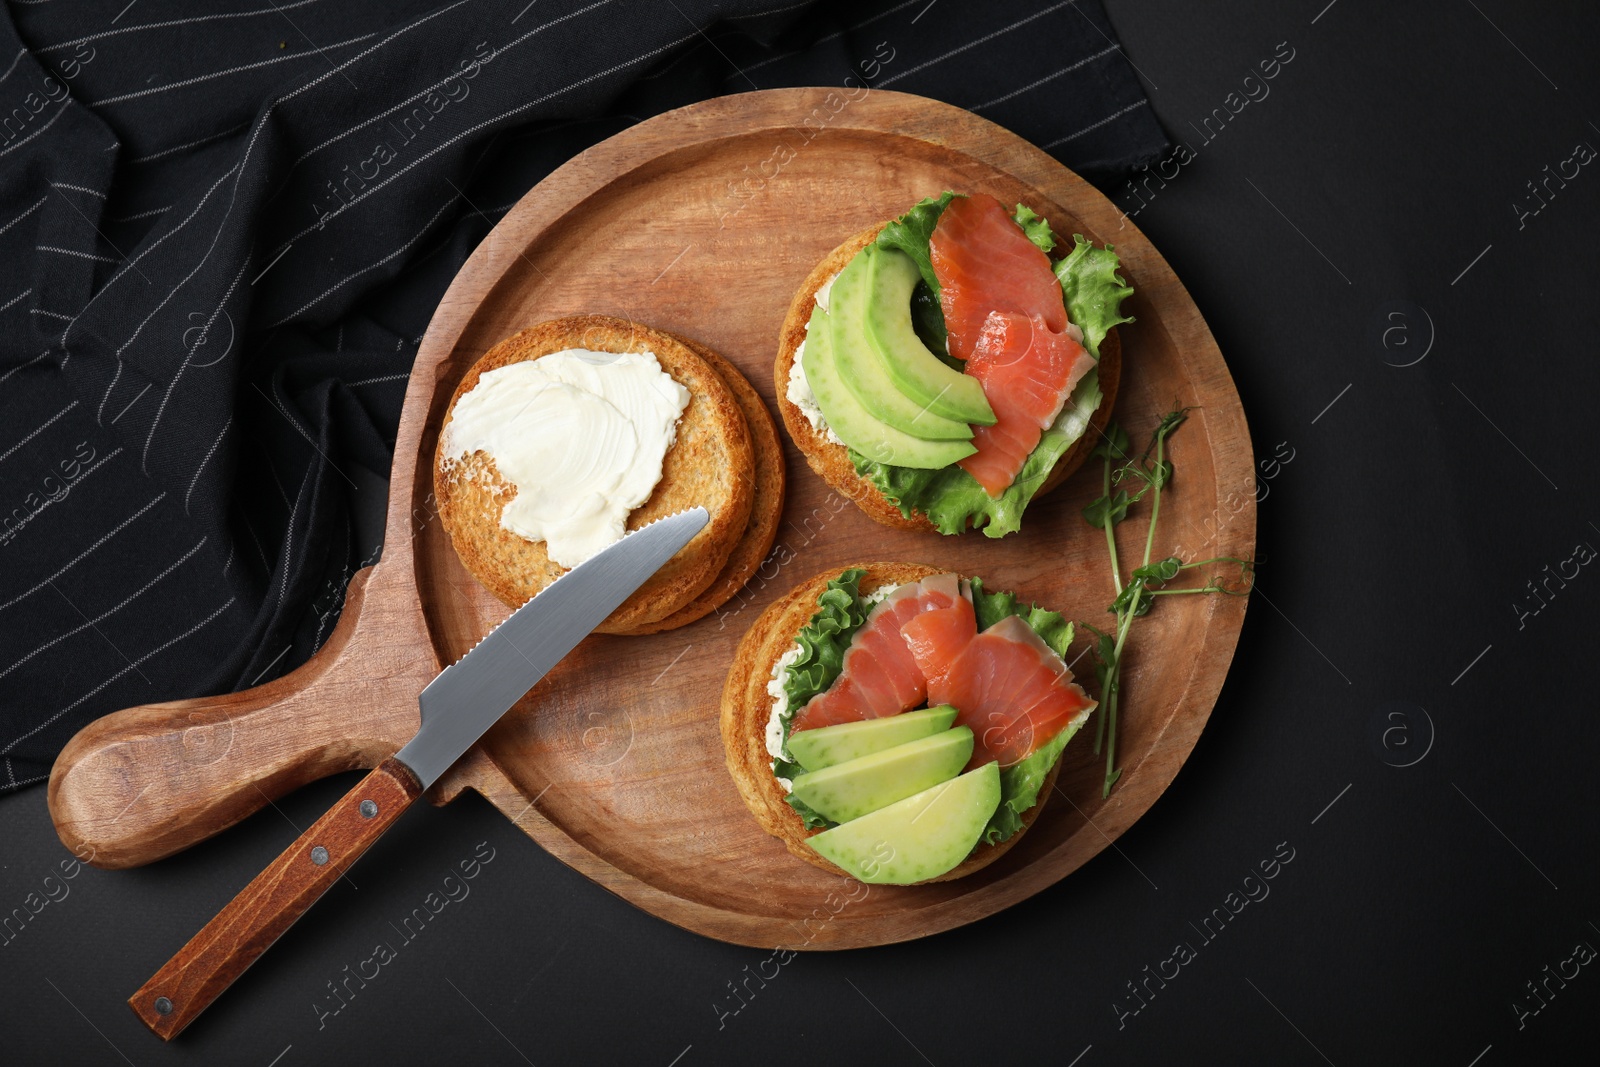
(780,705)
(798,390)
(581,435)
(879,595)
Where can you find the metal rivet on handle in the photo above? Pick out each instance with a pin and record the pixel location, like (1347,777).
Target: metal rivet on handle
(319,855)
(163,1006)
(369,809)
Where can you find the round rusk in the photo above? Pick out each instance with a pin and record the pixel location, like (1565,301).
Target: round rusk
(709,464)
(766,507)
(746,707)
(831,461)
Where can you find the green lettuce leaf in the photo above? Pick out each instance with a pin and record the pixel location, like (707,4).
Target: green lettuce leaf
(813,819)
(823,642)
(1036,227)
(1020,784)
(1051,626)
(952,499)
(927,319)
(911,232)
(1093,291)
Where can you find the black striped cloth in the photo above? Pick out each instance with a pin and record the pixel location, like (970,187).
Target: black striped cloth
(224,231)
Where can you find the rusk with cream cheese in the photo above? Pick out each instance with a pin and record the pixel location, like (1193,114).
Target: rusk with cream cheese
(709,463)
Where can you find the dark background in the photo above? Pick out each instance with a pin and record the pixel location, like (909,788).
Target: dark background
(1398,545)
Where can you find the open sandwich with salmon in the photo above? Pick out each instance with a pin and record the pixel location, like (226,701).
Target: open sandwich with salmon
(898,724)
(945,368)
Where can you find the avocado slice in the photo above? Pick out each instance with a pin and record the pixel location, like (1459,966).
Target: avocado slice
(921,837)
(910,366)
(856,427)
(828,745)
(862,367)
(856,787)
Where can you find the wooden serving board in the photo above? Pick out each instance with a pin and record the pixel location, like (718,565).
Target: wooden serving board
(703,221)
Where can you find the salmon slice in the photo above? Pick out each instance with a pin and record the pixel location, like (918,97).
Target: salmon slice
(1012,690)
(937,637)
(985,263)
(1006,316)
(1027,372)
(879,675)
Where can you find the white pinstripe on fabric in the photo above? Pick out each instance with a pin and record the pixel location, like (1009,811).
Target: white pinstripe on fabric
(86,553)
(25,214)
(436,86)
(47,424)
(266,564)
(188,144)
(186,82)
(131,263)
(385,377)
(14,61)
(207,459)
(1048,78)
(107,458)
(371,266)
(1096,125)
(288,534)
(261,125)
(62,110)
(41,356)
(238,169)
(104,615)
(142,214)
(973,43)
(169,23)
(764,14)
(75,252)
(344,578)
(144,458)
(202,624)
(489,122)
(836,34)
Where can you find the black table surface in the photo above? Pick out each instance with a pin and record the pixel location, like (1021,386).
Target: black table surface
(1394,247)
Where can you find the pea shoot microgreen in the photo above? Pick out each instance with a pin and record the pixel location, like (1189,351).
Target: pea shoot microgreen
(1147,473)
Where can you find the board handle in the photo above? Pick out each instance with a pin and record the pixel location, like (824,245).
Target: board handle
(143,783)
(273,900)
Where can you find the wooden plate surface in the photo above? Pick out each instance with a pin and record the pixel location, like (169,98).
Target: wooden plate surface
(703,221)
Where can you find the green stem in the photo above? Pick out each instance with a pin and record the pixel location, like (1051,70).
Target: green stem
(1111,540)
(1213,559)
(1106,697)
(1181,592)
(1116,581)
(1126,624)
(1109,720)
(1155,503)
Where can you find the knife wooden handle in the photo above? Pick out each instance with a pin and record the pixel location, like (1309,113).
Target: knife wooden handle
(273,900)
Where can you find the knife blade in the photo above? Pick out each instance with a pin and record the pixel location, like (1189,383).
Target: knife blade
(458,707)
